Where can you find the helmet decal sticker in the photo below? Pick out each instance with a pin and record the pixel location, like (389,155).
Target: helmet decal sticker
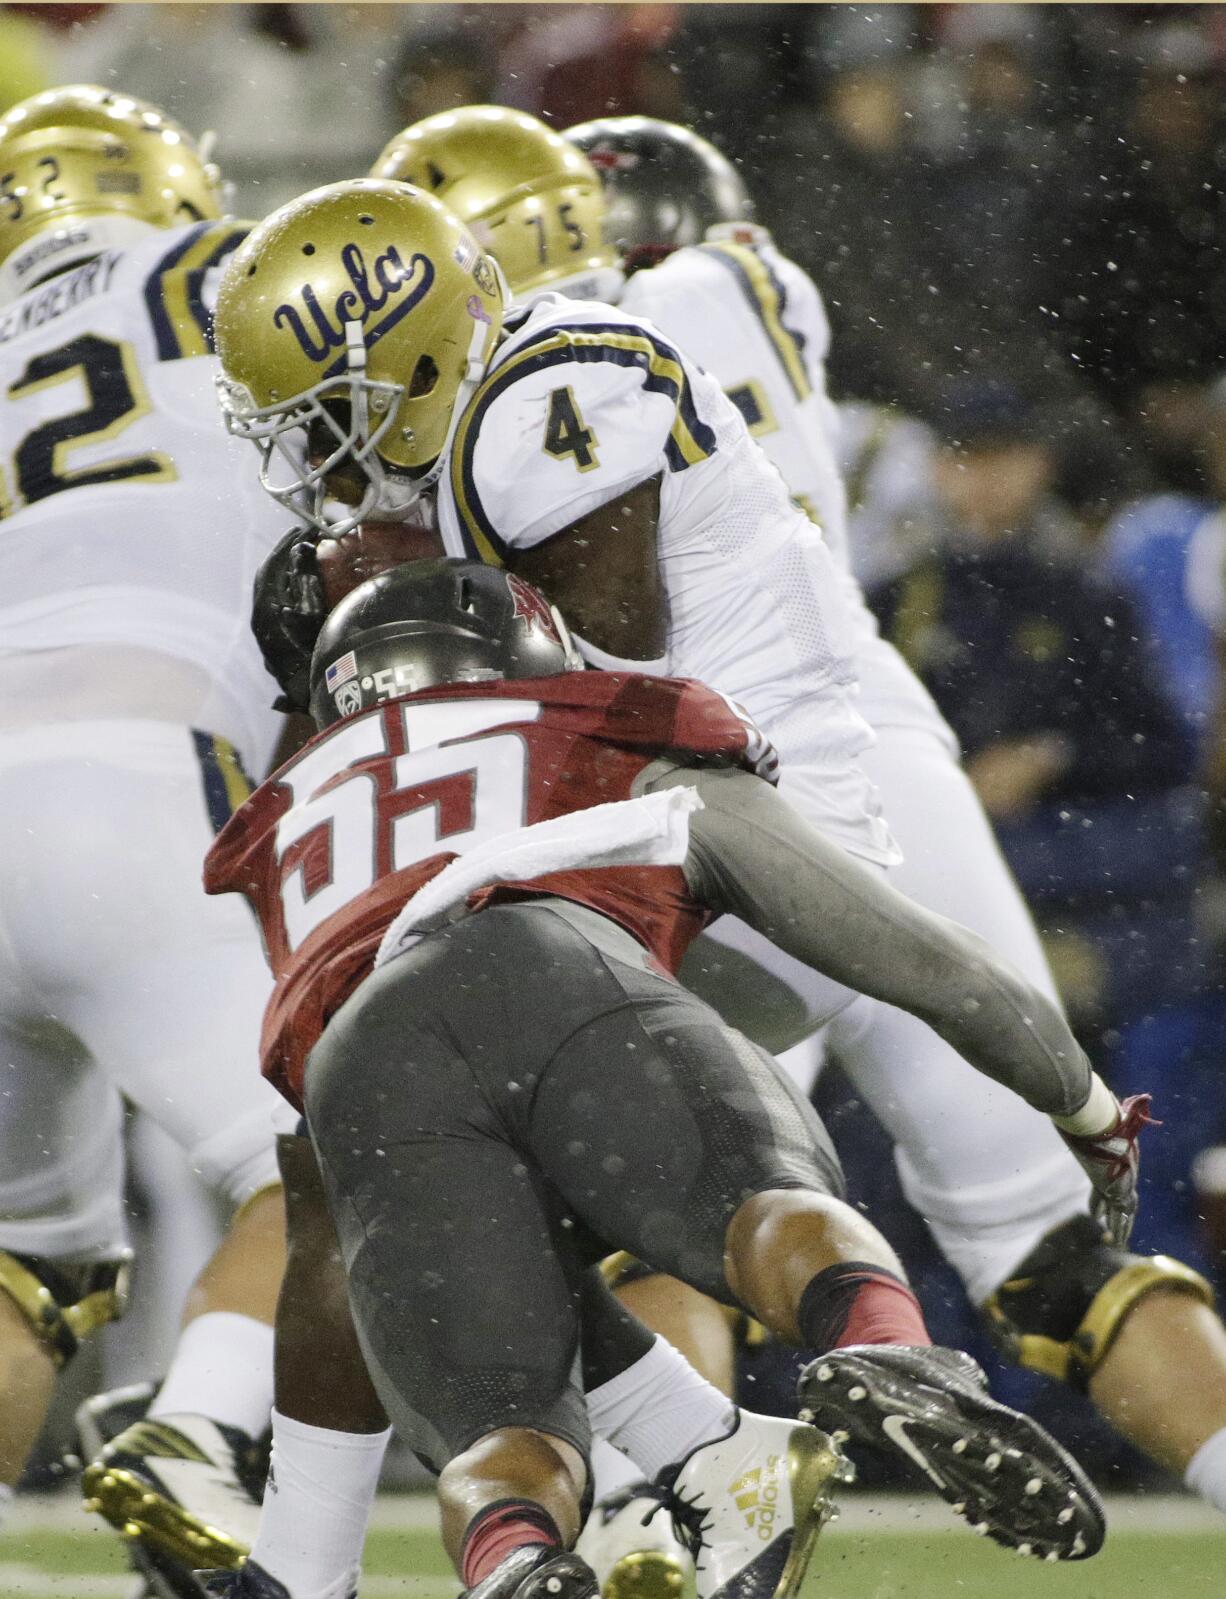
(360,302)
(531,606)
(340,672)
(348,699)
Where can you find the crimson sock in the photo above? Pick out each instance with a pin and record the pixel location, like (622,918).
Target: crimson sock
(858,1303)
(498,1531)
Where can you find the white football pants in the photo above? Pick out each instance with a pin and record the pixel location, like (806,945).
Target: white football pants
(119,975)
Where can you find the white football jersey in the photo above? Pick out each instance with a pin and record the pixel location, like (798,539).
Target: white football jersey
(756,322)
(128,516)
(583,402)
(887,460)
(1205,580)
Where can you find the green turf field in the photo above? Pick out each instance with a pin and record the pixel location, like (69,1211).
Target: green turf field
(64,1559)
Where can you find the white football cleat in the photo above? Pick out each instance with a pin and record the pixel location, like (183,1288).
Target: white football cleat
(750,1505)
(176,1485)
(631,1544)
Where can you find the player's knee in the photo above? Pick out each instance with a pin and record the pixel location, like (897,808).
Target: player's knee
(64,1303)
(782,1221)
(1065,1304)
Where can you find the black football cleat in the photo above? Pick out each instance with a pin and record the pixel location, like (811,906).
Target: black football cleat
(931,1407)
(537,1571)
(248,1582)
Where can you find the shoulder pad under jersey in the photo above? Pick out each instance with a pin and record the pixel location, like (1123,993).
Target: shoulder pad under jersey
(582,404)
(180,284)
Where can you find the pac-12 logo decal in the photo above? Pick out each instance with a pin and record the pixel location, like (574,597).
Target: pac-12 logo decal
(531,606)
(388,281)
(348,699)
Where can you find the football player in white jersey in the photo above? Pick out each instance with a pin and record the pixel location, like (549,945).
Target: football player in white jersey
(1004,1201)
(991,1179)
(565,438)
(134,704)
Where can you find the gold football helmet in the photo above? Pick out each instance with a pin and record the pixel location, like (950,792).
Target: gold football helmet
(534,201)
(353,325)
(96,166)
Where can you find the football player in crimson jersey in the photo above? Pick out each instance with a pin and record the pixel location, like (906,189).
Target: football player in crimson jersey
(993,1181)
(993,1191)
(133,702)
(474,885)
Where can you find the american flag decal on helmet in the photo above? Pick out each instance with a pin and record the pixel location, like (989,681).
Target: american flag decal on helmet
(340,672)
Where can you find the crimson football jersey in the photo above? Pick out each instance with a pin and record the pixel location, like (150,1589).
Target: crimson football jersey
(334,844)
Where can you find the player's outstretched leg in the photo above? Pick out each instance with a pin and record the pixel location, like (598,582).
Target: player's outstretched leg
(810,1269)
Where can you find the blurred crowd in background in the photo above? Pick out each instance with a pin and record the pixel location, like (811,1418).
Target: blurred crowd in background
(1015,215)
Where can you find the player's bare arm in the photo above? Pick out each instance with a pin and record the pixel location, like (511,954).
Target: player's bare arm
(603,573)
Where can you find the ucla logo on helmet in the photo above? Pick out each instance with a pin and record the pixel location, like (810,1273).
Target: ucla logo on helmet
(388,282)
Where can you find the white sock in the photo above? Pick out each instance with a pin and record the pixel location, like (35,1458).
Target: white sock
(222,1369)
(659,1409)
(1206,1473)
(611,1470)
(321,1486)
(6,1499)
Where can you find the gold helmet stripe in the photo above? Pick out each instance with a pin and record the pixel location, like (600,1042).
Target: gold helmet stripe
(181,324)
(690,439)
(767,299)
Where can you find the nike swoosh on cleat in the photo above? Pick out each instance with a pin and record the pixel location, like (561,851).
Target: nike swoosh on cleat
(895,1429)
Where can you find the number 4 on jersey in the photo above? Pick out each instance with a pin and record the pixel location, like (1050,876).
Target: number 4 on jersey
(565,433)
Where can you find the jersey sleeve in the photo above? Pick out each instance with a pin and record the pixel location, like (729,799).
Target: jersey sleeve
(787,303)
(181,289)
(566,423)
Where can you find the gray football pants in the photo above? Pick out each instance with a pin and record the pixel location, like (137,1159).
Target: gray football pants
(498,1107)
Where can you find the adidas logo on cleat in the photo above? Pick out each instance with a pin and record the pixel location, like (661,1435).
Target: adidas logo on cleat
(758,1501)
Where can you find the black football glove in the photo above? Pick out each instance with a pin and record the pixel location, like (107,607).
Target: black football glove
(287,613)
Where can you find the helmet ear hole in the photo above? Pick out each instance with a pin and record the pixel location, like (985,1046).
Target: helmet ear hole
(425,376)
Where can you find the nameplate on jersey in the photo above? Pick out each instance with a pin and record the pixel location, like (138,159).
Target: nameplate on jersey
(61,295)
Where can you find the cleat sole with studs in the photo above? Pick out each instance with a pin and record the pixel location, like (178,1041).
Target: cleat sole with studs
(997,1469)
(124,1499)
(649,1574)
